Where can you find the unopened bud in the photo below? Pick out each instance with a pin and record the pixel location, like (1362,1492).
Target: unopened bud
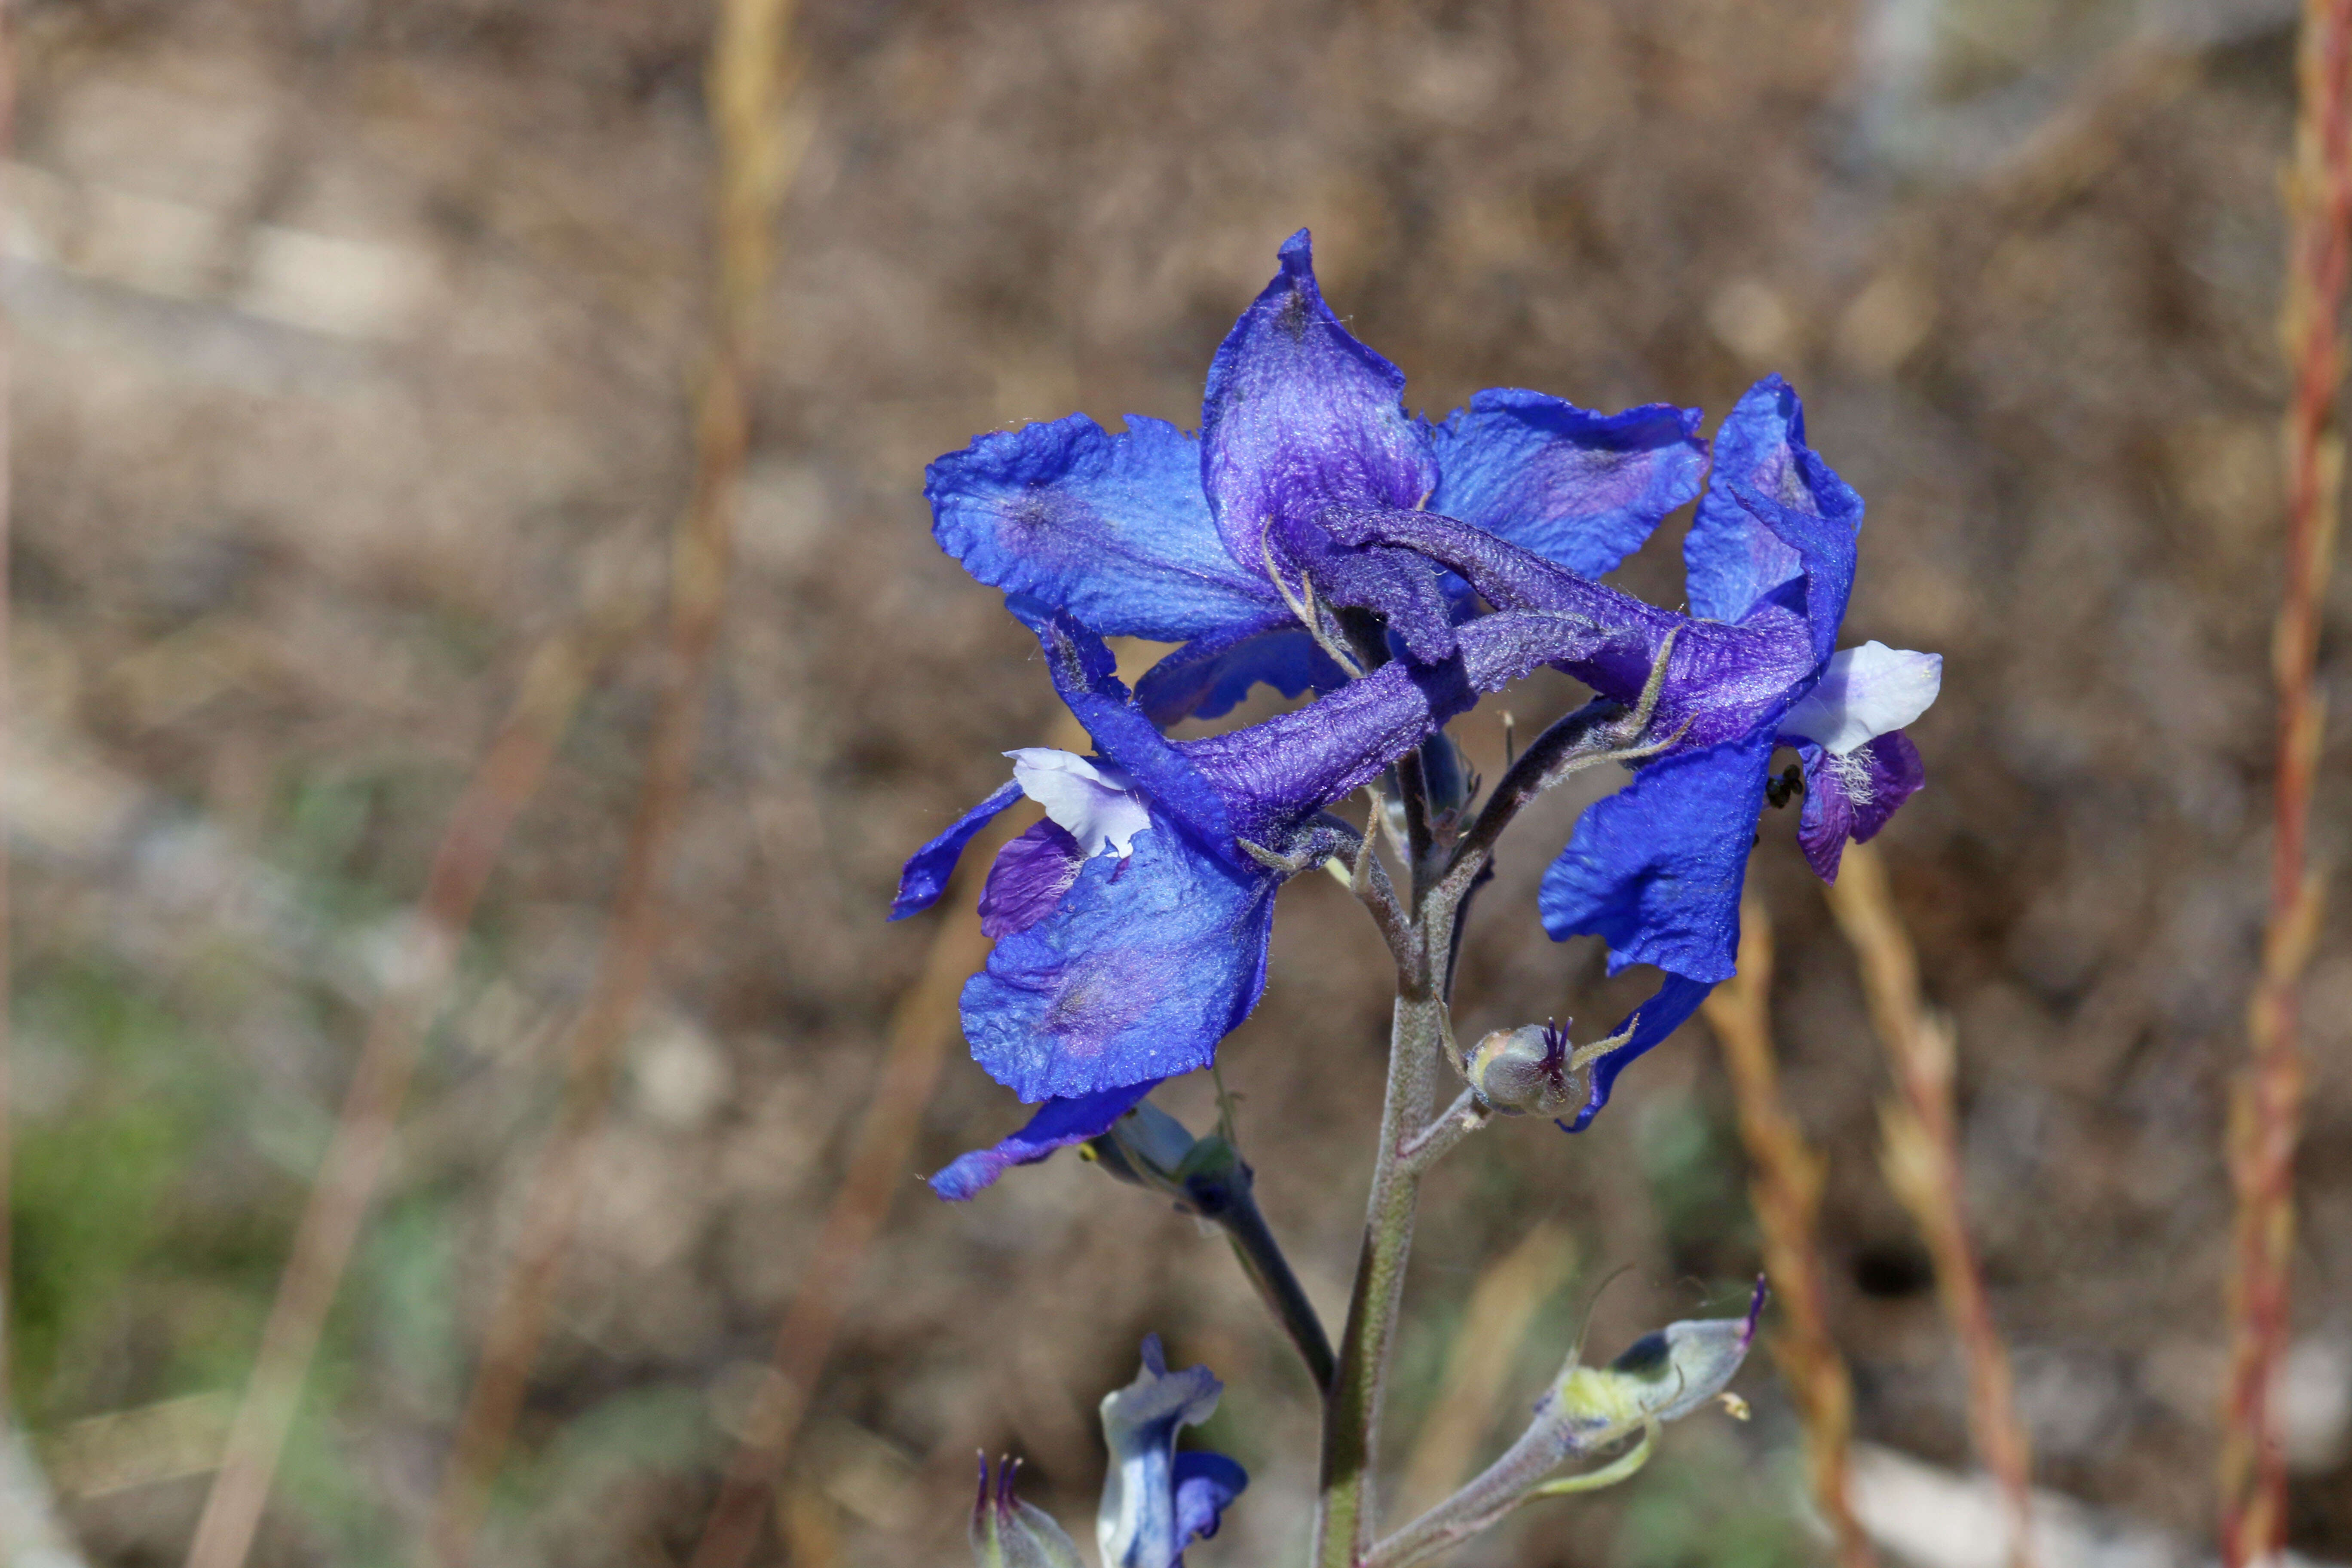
(1148,1147)
(1662,1376)
(1519,1070)
(1009,1533)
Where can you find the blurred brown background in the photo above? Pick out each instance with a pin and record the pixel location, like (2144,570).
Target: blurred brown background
(354,340)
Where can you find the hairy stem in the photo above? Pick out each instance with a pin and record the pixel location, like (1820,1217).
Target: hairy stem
(1352,1417)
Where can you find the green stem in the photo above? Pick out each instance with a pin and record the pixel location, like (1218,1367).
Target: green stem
(1345,1516)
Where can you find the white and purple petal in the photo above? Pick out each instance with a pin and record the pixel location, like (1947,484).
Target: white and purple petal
(1581,489)
(1113,528)
(1154,1500)
(1864,693)
(1850,796)
(1143,965)
(1094,800)
(1058,1125)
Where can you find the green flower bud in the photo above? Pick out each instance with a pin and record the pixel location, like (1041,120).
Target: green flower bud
(1662,1376)
(1009,1533)
(1519,1070)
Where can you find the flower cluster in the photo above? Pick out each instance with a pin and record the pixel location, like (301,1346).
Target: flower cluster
(1316,537)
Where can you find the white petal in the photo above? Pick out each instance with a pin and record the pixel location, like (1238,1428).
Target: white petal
(1865,692)
(1095,803)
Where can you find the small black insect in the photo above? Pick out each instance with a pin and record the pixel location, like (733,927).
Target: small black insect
(1790,783)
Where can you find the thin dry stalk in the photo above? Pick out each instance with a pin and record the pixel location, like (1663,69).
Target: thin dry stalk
(747,87)
(509,774)
(1787,1196)
(1503,1307)
(2266,1112)
(8,727)
(922,1026)
(1922,1159)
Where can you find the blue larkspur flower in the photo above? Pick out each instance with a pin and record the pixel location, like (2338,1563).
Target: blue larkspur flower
(1656,870)
(1131,925)
(1157,1500)
(1217,541)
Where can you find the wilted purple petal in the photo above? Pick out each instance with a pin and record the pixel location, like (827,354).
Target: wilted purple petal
(1299,417)
(1851,796)
(1029,877)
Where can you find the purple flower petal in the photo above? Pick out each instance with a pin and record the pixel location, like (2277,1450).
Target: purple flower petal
(929,868)
(1143,966)
(1029,877)
(1276,774)
(1155,1500)
(1734,563)
(1724,679)
(1851,796)
(1113,528)
(1058,1125)
(1656,869)
(1299,417)
(1206,676)
(1207,1485)
(1580,488)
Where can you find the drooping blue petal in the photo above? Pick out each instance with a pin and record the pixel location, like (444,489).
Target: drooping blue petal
(1732,562)
(1209,675)
(1029,877)
(1058,1125)
(927,869)
(1144,965)
(1578,488)
(1113,528)
(1299,417)
(1651,1023)
(1851,796)
(1656,869)
(1207,1485)
(1153,1501)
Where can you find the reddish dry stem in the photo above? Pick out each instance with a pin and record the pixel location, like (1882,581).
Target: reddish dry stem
(353,1168)
(2267,1109)
(1786,1193)
(1923,1165)
(747,84)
